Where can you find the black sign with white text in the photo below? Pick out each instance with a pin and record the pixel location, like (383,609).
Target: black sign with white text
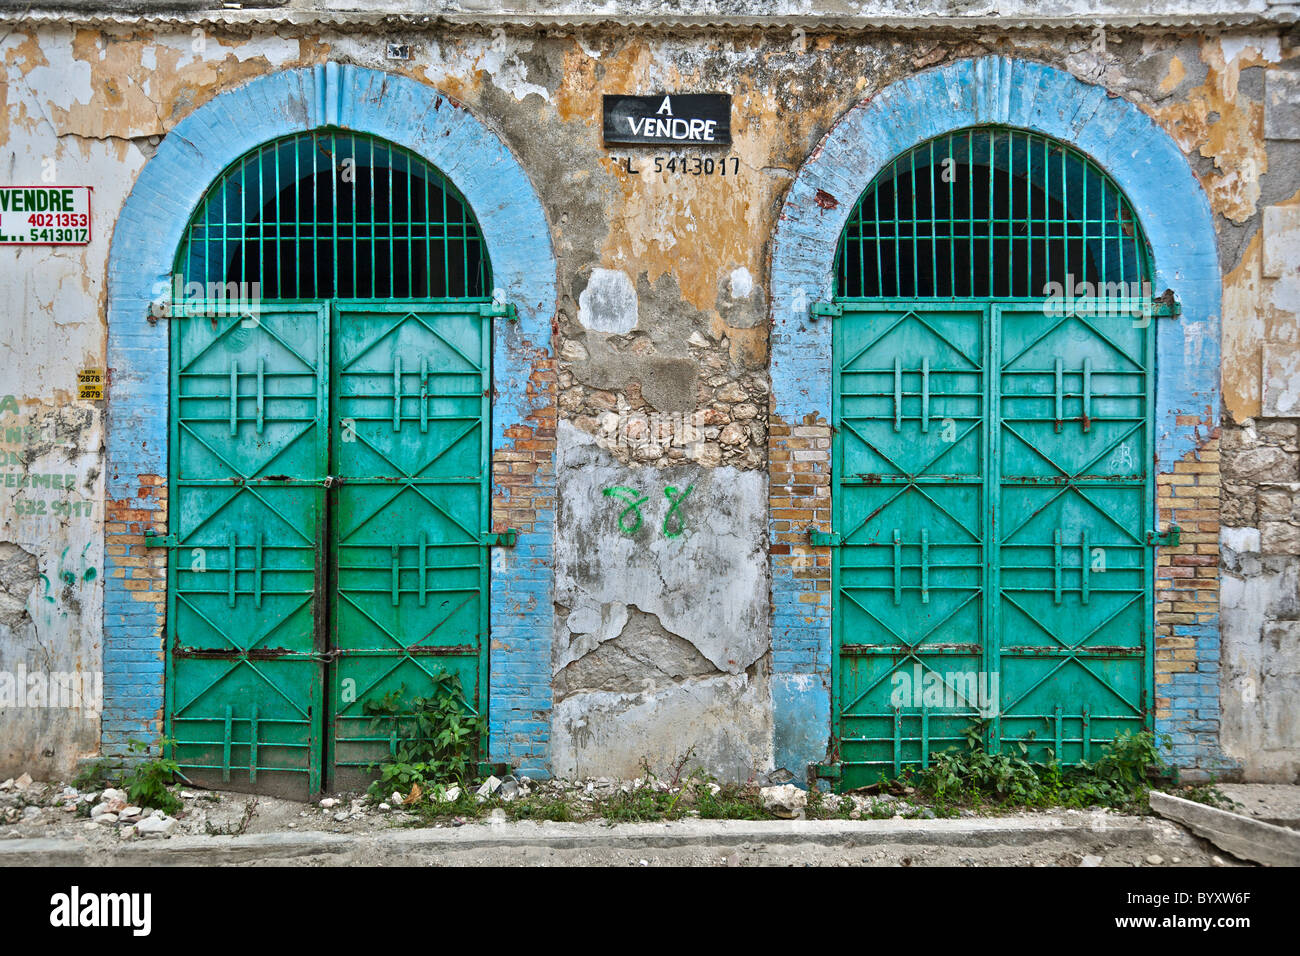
(672,119)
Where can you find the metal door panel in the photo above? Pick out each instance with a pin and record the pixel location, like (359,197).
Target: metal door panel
(909,503)
(1074,506)
(1050,459)
(248,444)
(412,392)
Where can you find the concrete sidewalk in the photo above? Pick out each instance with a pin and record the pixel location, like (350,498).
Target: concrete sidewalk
(1276,803)
(1069,838)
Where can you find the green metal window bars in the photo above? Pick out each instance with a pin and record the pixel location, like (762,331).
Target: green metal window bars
(990,212)
(336,215)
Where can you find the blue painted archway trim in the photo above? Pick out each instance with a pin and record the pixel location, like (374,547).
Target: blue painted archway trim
(1169,203)
(147,235)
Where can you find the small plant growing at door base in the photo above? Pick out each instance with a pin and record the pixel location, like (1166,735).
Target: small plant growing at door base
(1120,778)
(147,782)
(435,740)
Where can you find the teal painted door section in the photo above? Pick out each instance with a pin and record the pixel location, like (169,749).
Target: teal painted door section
(329,494)
(992,494)
(1074,618)
(412,393)
(248,443)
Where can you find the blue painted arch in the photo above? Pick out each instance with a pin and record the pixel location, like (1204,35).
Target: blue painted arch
(1170,204)
(148,233)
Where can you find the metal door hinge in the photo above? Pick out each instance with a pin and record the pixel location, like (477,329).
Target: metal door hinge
(1169,539)
(504,539)
(1166,306)
(824,539)
(825,771)
(831,310)
(152,539)
(504,310)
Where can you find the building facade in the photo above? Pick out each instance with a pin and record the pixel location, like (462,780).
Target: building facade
(961,382)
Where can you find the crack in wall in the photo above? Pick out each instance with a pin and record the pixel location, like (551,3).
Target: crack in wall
(642,657)
(19,576)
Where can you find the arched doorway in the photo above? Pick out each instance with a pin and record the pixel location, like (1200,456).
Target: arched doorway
(331,345)
(992,486)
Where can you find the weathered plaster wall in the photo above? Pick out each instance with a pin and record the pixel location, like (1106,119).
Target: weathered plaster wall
(661,638)
(660,333)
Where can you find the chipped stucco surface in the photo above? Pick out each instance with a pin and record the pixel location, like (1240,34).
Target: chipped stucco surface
(694,252)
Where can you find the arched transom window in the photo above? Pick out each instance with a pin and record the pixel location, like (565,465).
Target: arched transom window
(331,214)
(990,212)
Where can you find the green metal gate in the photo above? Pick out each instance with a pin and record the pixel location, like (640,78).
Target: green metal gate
(330,409)
(992,484)
(329,495)
(412,392)
(992,451)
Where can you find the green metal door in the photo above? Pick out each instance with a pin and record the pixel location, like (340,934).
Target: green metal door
(248,447)
(328,495)
(1073,511)
(412,387)
(992,494)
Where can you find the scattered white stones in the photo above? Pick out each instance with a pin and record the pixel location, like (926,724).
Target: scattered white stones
(784,801)
(159,825)
(1090,860)
(329,803)
(1155,860)
(23,782)
(490,786)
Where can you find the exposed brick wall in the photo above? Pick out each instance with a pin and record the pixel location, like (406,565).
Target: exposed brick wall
(1187,613)
(523,497)
(800,498)
(134,615)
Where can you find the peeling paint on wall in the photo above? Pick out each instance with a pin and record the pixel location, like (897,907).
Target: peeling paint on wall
(661,331)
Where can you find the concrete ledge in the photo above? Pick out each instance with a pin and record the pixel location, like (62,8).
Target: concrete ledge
(1243,837)
(398,845)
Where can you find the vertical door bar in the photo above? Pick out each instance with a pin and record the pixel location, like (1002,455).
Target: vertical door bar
(257,569)
(1087,394)
(1056,566)
(898,394)
(225,746)
(424,395)
(424,574)
(898,567)
(234,397)
(1060,395)
(261,393)
(252,744)
(232,555)
(1084,567)
(925,394)
(397,393)
(925,566)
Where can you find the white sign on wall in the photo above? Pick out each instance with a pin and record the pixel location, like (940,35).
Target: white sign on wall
(44,215)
